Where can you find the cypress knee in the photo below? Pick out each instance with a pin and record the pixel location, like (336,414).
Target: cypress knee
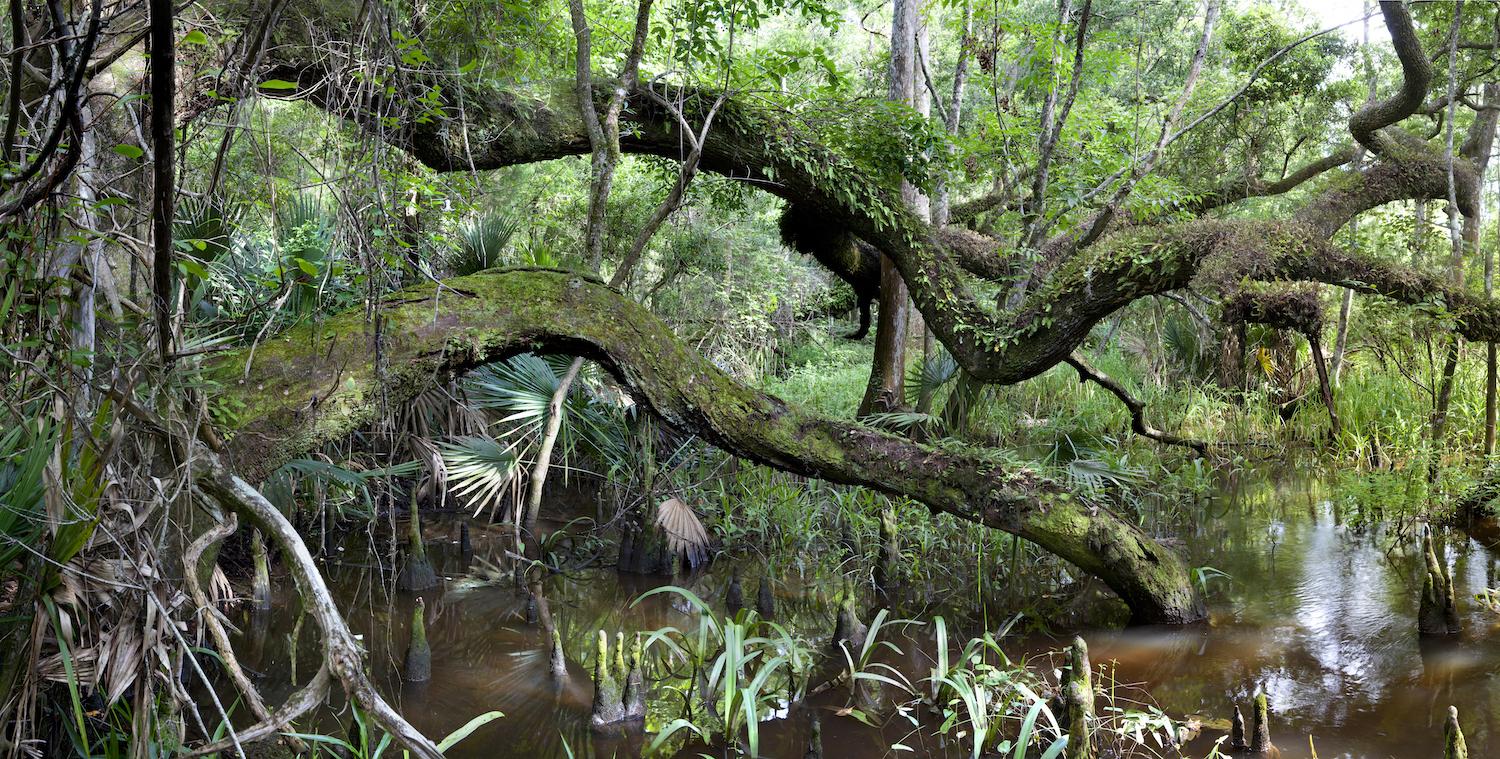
(1260,725)
(417,574)
(765,602)
(734,598)
(557,660)
(814,739)
(848,629)
(1080,695)
(635,682)
(1438,612)
(607,707)
(1237,740)
(418,654)
(261,592)
(1454,746)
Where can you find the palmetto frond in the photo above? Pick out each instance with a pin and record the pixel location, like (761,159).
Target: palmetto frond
(480,469)
(686,537)
(482,242)
(520,390)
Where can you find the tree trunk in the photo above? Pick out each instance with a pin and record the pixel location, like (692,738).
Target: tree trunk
(1489,347)
(162,42)
(886,390)
(1325,387)
(286,408)
(549,439)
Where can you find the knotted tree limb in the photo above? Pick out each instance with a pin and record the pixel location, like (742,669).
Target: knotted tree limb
(285,408)
(342,655)
(210,616)
(1136,407)
(760,146)
(300,703)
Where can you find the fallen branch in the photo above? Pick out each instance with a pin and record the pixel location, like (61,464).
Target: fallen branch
(210,616)
(342,655)
(1137,408)
(300,703)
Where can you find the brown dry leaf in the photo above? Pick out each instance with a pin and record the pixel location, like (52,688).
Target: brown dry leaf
(685,533)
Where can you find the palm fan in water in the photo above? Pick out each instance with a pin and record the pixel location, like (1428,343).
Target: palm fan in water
(686,537)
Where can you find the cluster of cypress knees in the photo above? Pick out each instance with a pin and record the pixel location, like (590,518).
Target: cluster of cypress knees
(620,689)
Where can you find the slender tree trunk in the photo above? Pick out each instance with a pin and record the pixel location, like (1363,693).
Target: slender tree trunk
(1325,387)
(163,114)
(549,439)
(929,354)
(886,390)
(1346,306)
(941,202)
(1490,347)
(1456,241)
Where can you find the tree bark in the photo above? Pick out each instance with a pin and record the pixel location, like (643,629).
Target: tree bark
(286,408)
(886,390)
(163,69)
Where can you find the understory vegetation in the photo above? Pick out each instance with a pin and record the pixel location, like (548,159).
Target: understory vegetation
(747,378)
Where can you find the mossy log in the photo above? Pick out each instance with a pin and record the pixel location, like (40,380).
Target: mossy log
(1437,613)
(1089,282)
(418,653)
(318,383)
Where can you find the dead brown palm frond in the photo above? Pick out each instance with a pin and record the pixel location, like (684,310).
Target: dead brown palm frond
(436,482)
(686,537)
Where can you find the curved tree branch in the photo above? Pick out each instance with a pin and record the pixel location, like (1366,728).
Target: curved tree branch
(1416,77)
(499,313)
(1133,404)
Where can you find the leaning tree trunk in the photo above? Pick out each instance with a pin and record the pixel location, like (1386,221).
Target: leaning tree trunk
(318,382)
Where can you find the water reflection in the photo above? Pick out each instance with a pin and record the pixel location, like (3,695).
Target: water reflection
(1319,610)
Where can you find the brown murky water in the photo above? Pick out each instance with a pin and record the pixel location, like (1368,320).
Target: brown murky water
(1318,609)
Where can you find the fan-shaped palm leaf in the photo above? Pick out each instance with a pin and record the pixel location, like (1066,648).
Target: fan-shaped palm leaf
(686,537)
(480,469)
(483,240)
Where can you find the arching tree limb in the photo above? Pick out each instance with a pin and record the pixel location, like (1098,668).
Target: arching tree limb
(488,316)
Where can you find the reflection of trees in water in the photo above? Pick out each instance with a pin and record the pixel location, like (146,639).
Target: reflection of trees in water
(1326,620)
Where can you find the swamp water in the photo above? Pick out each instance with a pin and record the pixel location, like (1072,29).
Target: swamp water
(1320,611)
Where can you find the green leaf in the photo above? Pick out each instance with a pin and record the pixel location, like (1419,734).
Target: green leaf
(129,151)
(463,732)
(278,84)
(195,37)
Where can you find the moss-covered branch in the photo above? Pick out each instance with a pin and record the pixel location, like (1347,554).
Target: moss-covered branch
(319,382)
